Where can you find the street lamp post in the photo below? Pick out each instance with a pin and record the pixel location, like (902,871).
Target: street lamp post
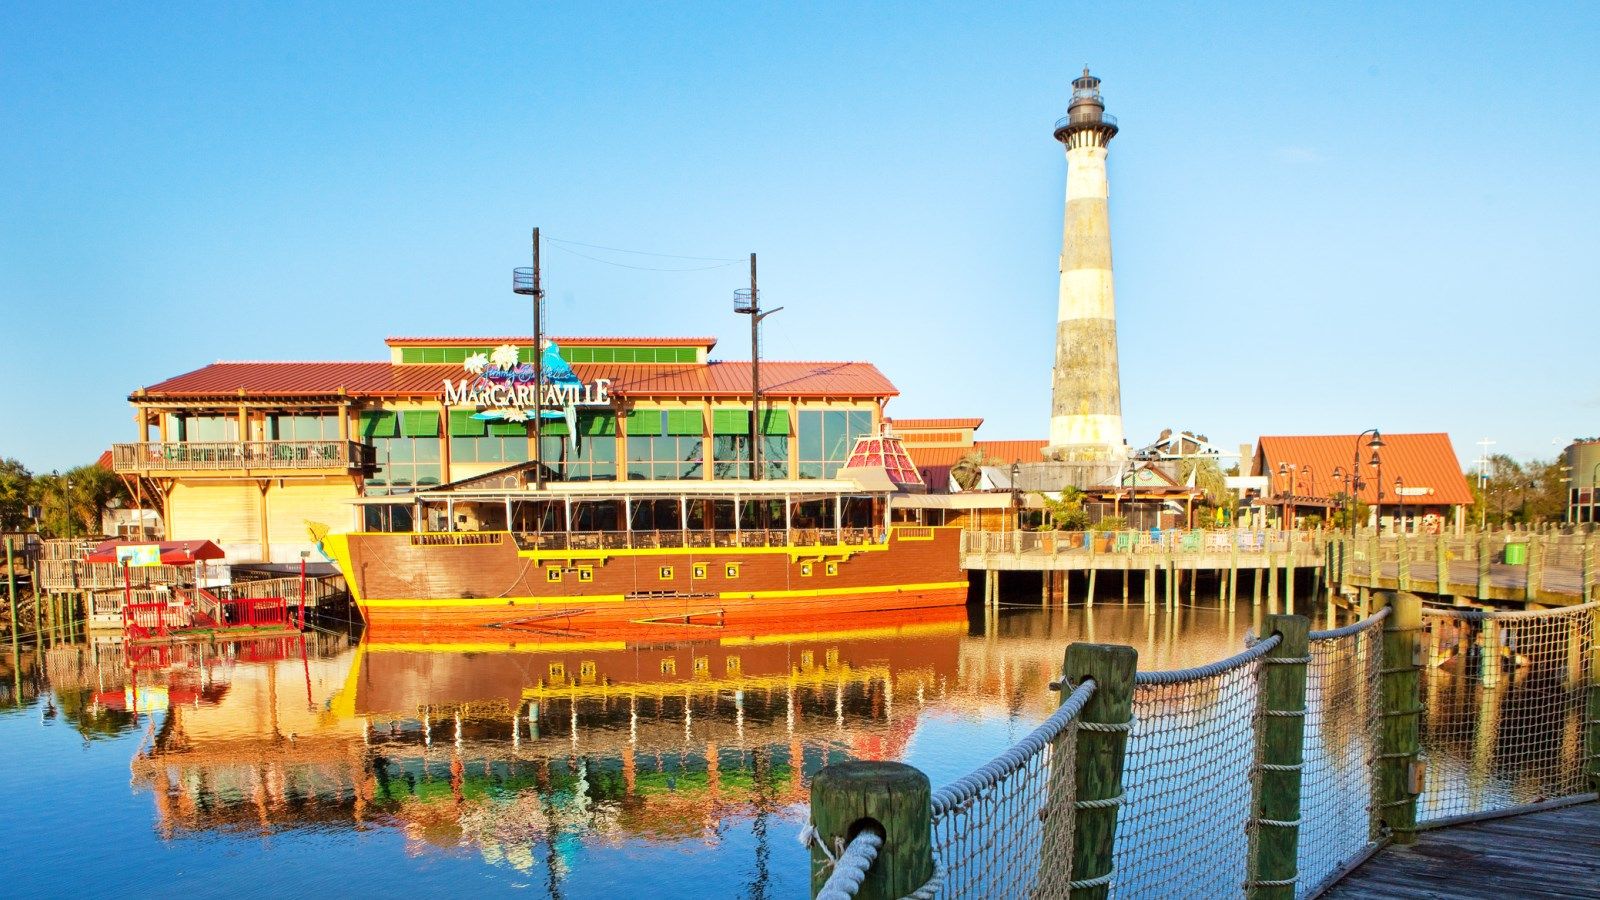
(1356,484)
(1400,495)
(1287,470)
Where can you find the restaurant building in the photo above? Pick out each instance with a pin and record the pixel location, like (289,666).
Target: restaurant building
(1408,482)
(264,457)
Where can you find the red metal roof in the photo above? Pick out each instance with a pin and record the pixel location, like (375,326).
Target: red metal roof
(382,379)
(919,424)
(997,452)
(1424,461)
(527,339)
(173,553)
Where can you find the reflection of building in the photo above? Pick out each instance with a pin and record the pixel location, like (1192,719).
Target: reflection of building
(528,744)
(249,454)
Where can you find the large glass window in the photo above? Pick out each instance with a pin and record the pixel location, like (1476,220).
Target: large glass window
(826,438)
(731,456)
(404,464)
(665,457)
(489,448)
(665,444)
(192,427)
(406,449)
(592,457)
(302,427)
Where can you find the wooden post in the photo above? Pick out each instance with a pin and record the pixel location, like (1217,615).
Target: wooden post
(1288,577)
(1280,750)
(1484,557)
(1127,563)
(1398,742)
(1441,564)
(1255,585)
(1149,586)
(1403,566)
(1535,568)
(1594,701)
(1101,748)
(845,797)
(11,588)
(1233,567)
(1272,579)
(1586,591)
(1090,599)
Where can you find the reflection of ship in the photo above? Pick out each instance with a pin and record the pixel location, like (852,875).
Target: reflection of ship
(528,746)
(594,554)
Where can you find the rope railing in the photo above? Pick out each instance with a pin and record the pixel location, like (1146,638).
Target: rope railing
(1273,772)
(1506,696)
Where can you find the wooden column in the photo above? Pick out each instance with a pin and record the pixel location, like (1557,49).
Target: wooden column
(847,797)
(1398,780)
(1485,555)
(1101,748)
(1535,567)
(1403,566)
(1280,750)
(1594,700)
(1441,564)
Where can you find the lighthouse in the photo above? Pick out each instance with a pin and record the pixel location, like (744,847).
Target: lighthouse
(1086,397)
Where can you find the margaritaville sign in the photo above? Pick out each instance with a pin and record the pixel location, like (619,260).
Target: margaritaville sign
(503,388)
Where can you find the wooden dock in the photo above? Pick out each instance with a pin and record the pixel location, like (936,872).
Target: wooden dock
(1554,853)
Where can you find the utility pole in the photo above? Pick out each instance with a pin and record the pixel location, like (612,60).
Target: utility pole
(1483,481)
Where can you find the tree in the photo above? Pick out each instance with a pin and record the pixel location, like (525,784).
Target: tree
(17,493)
(1208,477)
(1066,513)
(968,470)
(74,504)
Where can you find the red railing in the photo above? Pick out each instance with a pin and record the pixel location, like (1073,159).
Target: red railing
(255,612)
(145,620)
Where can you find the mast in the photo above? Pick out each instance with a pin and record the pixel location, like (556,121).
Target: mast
(526,281)
(538,370)
(748,302)
(755,374)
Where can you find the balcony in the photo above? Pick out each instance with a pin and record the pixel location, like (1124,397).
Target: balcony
(240,456)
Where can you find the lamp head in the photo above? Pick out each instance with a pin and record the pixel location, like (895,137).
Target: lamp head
(1377,440)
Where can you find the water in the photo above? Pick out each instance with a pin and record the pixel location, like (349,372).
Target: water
(669,763)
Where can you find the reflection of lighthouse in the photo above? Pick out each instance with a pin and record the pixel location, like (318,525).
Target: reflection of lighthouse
(1086,398)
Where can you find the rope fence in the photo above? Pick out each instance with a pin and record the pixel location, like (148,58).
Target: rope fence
(1272,773)
(1506,695)
(1188,778)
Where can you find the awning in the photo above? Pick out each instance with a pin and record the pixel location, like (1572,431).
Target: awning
(171,553)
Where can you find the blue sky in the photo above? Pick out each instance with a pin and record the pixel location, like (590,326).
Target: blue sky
(1325,217)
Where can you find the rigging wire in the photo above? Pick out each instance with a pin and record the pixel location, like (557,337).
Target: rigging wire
(644,252)
(619,265)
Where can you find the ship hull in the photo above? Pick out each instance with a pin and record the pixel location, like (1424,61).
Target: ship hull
(476,579)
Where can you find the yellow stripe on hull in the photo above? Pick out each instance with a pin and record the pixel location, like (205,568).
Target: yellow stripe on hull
(845,591)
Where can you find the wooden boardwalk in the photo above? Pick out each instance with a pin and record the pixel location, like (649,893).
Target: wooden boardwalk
(1542,854)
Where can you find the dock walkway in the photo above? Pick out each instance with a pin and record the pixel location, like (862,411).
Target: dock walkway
(1555,853)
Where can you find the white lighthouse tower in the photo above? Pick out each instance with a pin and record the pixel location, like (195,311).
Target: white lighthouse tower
(1086,399)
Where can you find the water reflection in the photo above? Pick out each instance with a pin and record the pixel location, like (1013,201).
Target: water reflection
(580,764)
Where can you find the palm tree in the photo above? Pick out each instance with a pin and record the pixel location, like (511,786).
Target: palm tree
(75,503)
(968,470)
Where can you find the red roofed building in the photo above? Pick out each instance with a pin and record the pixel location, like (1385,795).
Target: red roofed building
(258,456)
(1418,482)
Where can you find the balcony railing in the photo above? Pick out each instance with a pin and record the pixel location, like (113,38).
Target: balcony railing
(223,456)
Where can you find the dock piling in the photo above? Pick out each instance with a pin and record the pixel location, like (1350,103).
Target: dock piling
(849,797)
(1280,751)
(1101,750)
(1399,733)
